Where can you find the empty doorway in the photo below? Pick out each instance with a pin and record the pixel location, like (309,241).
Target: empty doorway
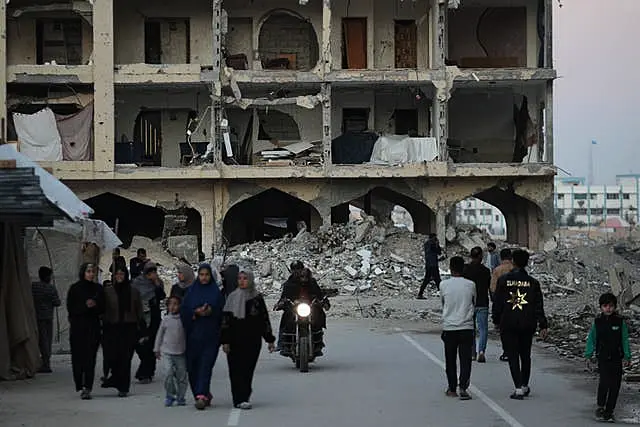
(354,43)
(148,133)
(406,44)
(167,41)
(406,122)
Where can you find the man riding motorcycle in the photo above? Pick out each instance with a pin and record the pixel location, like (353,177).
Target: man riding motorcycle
(302,286)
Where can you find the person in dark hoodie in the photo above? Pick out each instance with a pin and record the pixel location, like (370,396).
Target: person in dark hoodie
(123,317)
(85,305)
(432,252)
(230,279)
(201,313)
(245,324)
(186,277)
(151,290)
(481,277)
(45,301)
(518,310)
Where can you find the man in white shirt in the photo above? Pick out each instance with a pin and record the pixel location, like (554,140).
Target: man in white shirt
(458,306)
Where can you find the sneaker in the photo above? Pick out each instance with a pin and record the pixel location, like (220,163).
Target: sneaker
(85,394)
(182,402)
(504,358)
(201,403)
(450,393)
(123,394)
(526,391)
(609,418)
(482,358)
(464,395)
(517,395)
(245,405)
(600,414)
(168,401)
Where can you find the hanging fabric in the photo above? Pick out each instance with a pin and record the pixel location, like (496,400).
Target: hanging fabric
(38,135)
(76,132)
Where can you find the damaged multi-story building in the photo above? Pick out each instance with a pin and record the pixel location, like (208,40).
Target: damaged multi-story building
(248,118)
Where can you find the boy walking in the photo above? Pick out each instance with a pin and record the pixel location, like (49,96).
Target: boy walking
(170,345)
(458,303)
(609,341)
(45,300)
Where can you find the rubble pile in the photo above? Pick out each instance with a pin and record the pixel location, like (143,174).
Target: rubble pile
(362,257)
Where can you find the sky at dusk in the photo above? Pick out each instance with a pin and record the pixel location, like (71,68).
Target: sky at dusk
(597,53)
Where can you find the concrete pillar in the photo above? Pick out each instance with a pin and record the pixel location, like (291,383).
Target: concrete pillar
(326,37)
(441,226)
(220,207)
(440,112)
(439,33)
(326,125)
(533,225)
(548,33)
(548,123)
(3,72)
(217,39)
(104,92)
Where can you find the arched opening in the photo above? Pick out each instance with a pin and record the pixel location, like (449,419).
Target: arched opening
(268,215)
(388,207)
(127,217)
(473,212)
(518,219)
(288,41)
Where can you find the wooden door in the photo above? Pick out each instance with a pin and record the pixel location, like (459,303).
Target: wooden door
(354,44)
(406,42)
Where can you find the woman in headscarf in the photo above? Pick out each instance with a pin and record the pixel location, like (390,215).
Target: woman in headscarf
(85,305)
(245,324)
(201,313)
(230,279)
(185,279)
(122,320)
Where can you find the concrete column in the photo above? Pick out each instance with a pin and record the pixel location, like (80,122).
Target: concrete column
(217,39)
(439,33)
(219,211)
(548,123)
(326,37)
(3,72)
(548,33)
(326,125)
(441,226)
(440,113)
(104,127)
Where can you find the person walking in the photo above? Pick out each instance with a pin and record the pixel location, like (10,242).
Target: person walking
(492,260)
(432,252)
(186,278)
(123,317)
(137,263)
(201,314)
(45,300)
(170,346)
(458,303)
(518,309)
(245,324)
(85,305)
(152,294)
(117,261)
(505,267)
(609,341)
(230,279)
(481,277)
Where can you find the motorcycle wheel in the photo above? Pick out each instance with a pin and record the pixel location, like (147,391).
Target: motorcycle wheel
(303,355)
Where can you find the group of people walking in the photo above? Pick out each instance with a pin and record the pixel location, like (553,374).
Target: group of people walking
(517,313)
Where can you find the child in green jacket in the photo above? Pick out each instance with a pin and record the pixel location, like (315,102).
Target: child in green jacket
(609,341)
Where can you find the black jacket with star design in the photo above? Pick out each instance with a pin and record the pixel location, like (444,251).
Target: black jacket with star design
(518,303)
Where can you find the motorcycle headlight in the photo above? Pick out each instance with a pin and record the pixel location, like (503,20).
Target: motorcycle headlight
(303,310)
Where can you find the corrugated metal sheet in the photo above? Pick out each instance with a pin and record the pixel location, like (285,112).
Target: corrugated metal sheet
(22,199)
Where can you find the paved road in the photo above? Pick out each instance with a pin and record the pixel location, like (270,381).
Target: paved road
(372,376)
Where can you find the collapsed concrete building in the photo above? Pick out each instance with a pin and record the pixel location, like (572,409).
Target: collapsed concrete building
(241,117)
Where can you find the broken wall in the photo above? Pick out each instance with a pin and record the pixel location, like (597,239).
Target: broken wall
(239,38)
(351,98)
(507,29)
(386,104)
(22,42)
(129,20)
(309,121)
(175,107)
(258,11)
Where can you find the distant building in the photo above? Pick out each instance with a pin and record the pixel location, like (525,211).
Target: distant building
(487,217)
(577,203)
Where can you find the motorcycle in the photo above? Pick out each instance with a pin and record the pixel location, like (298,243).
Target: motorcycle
(302,342)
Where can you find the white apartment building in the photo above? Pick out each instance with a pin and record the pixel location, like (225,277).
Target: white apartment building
(578,203)
(483,215)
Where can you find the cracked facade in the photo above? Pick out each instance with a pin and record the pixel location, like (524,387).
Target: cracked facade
(472,86)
